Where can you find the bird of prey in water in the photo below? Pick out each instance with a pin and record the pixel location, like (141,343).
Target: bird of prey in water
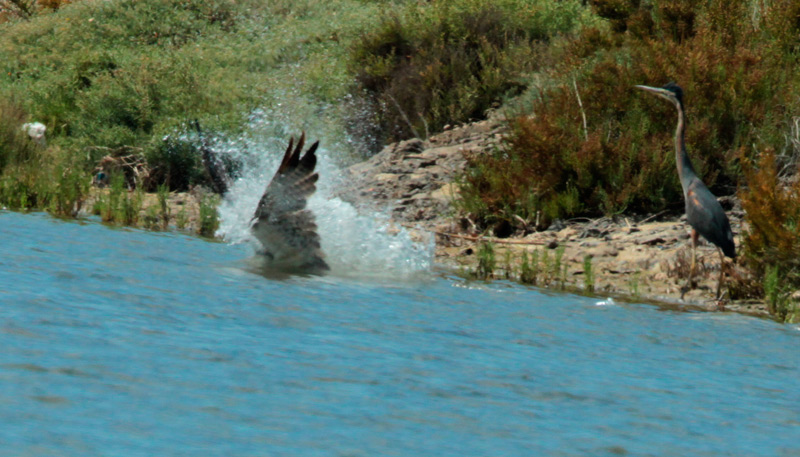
(282,223)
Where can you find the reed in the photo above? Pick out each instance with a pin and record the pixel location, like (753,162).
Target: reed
(182,218)
(208,218)
(529,270)
(588,274)
(164,209)
(486,261)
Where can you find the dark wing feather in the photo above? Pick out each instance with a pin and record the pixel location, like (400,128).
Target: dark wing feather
(705,214)
(283,225)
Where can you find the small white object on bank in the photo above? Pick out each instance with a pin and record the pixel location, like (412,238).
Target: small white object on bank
(36,131)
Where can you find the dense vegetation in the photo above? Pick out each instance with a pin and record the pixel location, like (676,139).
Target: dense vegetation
(126,78)
(585,142)
(428,65)
(591,144)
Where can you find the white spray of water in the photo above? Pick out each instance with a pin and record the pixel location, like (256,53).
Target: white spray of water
(355,244)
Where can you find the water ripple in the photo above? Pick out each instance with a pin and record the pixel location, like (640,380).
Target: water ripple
(161,344)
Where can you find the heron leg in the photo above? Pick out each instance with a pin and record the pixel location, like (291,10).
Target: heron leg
(688,285)
(721,270)
(694,259)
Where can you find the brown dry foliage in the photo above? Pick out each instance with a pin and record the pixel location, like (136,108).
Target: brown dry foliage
(773,217)
(53,4)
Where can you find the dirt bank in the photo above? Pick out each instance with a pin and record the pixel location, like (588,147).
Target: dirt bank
(644,258)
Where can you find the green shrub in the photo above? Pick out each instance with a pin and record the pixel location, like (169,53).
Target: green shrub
(36,178)
(449,62)
(529,269)
(17,190)
(175,162)
(15,146)
(588,274)
(209,218)
(68,188)
(129,208)
(486,261)
(182,218)
(119,205)
(108,75)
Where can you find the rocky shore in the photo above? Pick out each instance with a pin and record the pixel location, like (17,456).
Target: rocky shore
(642,258)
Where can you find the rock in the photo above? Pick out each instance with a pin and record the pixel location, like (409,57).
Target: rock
(603,251)
(384,177)
(593,233)
(556,226)
(567,234)
(728,202)
(445,193)
(409,146)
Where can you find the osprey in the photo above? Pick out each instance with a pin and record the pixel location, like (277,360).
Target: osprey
(282,224)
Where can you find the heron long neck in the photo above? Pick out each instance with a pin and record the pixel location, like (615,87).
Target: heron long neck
(685,169)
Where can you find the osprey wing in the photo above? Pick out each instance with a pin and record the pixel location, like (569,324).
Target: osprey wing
(285,227)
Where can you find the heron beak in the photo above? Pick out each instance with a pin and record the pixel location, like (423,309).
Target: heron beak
(657,91)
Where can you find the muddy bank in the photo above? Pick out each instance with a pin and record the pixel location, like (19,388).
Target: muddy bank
(413,179)
(644,258)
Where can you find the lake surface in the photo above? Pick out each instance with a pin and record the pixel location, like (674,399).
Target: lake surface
(119,342)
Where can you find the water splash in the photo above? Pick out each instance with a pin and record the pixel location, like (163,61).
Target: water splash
(607,302)
(355,244)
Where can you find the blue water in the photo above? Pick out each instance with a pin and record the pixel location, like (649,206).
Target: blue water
(119,342)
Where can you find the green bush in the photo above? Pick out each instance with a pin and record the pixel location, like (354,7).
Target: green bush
(15,146)
(486,261)
(52,181)
(448,62)
(208,217)
(176,162)
(125,74)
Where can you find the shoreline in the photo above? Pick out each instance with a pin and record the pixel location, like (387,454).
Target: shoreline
(644,260)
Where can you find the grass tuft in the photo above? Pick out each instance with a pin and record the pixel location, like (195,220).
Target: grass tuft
(588,274)
(209,218)
(486,261)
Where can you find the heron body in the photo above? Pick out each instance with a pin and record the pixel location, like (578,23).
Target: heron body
(703,212)
(705,215)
